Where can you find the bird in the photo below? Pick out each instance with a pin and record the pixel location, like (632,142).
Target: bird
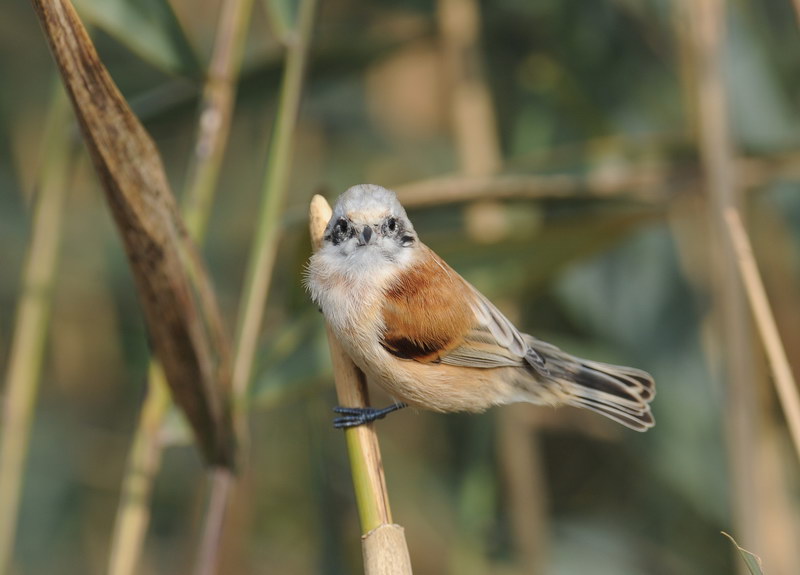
(431,340)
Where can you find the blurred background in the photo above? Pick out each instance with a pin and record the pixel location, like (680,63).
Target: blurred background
(566,157)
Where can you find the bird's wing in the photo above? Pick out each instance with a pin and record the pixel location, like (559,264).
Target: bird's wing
(493,341)
(432,314)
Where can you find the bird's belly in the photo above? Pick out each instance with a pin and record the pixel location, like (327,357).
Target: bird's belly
(439,387)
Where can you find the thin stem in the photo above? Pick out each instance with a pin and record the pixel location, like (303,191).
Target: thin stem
(216,111)
(279,18)
(716,152)
(647,183)
(474,122)
(33,314)
(521,459)
(260,265)
(765,321)
(279,162)
(144,458)
(222,483)
(642,183)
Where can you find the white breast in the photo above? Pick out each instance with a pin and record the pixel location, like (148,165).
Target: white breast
(350,294)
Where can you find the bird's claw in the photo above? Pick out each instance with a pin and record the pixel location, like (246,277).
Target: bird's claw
(355,416)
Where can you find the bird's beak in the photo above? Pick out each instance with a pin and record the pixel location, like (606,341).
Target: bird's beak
(365,236)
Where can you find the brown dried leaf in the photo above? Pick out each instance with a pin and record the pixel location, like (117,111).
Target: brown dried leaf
(174,290)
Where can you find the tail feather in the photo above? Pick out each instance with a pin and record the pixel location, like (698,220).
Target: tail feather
(640,422)
(617,392)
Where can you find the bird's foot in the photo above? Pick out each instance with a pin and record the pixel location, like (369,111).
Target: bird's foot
(355,416)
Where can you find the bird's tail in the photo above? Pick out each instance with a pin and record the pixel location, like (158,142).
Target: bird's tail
(620,393)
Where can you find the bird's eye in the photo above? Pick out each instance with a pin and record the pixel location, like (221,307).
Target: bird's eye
(341,231)
(391,224)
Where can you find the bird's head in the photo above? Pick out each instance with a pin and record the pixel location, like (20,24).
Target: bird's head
(369,224)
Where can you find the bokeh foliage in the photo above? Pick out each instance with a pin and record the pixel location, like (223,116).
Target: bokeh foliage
(580,89)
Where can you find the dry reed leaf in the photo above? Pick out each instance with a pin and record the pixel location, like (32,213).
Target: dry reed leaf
(180,309)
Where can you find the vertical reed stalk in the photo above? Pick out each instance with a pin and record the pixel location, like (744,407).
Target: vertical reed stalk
(765,322)
(216,111)
(276,184)
(520,456)
(478,145)
(260,265)
(384,546)
(474,123)
(222,483)
(144,460)
(716,150)
(33,313)
(217,104)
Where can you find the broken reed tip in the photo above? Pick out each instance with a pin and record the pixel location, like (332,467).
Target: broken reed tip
(319,213)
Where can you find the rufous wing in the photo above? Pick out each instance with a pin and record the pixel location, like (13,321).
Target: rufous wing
(432,314)
(425,314)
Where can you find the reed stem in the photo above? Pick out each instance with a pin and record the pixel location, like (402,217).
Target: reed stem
(708,18)
(765,322)
(144,460)
(260,267)
(216,112)
(276,184)
(383,544)
(217,104)
(33,313)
